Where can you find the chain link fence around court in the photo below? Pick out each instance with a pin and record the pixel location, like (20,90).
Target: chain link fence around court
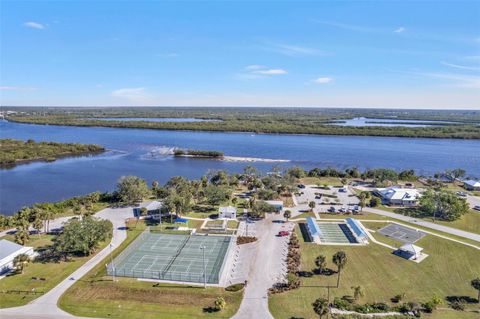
(173,258)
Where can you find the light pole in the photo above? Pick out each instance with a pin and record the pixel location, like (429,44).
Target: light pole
(204,267)
(113,265)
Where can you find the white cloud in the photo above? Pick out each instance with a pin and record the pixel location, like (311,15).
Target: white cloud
(254,67)
(292,50)
(17,88)
(257,71)
(323,80)
(399,30)
(271,71)
(132,94)
(34,25)
(463,67)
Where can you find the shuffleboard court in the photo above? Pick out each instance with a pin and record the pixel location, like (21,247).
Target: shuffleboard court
(173,257)
(402,233)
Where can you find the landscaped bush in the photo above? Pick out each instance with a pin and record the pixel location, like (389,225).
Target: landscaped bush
(235,287)
(245,240)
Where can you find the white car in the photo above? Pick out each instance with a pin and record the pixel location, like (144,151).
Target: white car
(477,207)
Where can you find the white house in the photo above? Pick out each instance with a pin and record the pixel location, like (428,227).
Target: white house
(153,208)
(471,185)
(398,196)
(8,251)
(227,212)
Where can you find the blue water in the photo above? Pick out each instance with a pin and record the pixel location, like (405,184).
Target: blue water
(363,121)
(132,149)
(155,119)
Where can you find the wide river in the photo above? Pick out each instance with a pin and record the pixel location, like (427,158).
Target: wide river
(146,153)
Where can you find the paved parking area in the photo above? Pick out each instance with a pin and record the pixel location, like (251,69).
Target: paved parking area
(402,233)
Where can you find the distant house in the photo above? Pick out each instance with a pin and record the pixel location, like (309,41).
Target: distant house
(471,185)
(277,204)
(8,251)
(153,208)
(398,196)
(227,212)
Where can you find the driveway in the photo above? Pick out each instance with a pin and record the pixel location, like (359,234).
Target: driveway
(46,305)
(267,266)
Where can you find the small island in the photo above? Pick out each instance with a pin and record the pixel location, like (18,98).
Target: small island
(197,153)
(13,152)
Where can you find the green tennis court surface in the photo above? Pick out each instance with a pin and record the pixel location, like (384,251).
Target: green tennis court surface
(172,257)
(336,233)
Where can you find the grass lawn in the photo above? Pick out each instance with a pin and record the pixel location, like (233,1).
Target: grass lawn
(97,296)
(53,272)
(233,224)
(446,272)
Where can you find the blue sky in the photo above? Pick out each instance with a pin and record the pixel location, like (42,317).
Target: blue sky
(412,54)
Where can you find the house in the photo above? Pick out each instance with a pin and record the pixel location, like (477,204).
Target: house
(398,196)
(153,208)
(227,212)
(8,251)
(277,204)
(471,185)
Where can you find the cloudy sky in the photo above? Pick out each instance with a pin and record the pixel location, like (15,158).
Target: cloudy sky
(411,54)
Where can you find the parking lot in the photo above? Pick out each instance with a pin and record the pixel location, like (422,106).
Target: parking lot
(340,199)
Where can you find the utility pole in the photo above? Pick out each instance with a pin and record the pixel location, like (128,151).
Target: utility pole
(204,268)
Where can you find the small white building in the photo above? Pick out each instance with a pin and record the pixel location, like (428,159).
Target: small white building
(153,209)
(227,212)
(398,196)
(8,251)
(471,185)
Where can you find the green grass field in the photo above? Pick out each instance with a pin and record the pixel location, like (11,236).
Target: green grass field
(446,272)
(53,272)
(96,295)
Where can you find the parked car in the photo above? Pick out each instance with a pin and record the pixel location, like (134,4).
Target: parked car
(283,233)
(477,207)
(301,186)
(342,210)
(342,190)
(332,209)
(462,194)
(318,197)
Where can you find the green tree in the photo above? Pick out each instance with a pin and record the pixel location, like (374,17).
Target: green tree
(311,205)
(20,262)
(443,205)
(22,236)
(476,285)
(320,307)
(321,263)
(375,201)
(214,195)
(340,260)
(220,304)
(132,189)
(287,214)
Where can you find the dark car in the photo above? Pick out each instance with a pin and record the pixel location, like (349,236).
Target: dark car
(301,186)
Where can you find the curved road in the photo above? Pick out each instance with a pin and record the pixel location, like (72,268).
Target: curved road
(46,306)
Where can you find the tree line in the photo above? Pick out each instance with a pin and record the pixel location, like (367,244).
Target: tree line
(16,151)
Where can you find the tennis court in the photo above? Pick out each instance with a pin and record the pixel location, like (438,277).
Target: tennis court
(173,257)
(401,233)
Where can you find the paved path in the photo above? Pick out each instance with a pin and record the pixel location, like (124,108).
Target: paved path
(431,225)
(46,305)
(55,223)
(267,267)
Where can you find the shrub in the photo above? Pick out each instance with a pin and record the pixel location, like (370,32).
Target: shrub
(235,287)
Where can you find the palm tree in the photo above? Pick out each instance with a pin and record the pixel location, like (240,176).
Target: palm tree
(20,262)
(340,260)
(358,292)
(321,263)
(320,306)
(22,236)
(476,285)
(287,214)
